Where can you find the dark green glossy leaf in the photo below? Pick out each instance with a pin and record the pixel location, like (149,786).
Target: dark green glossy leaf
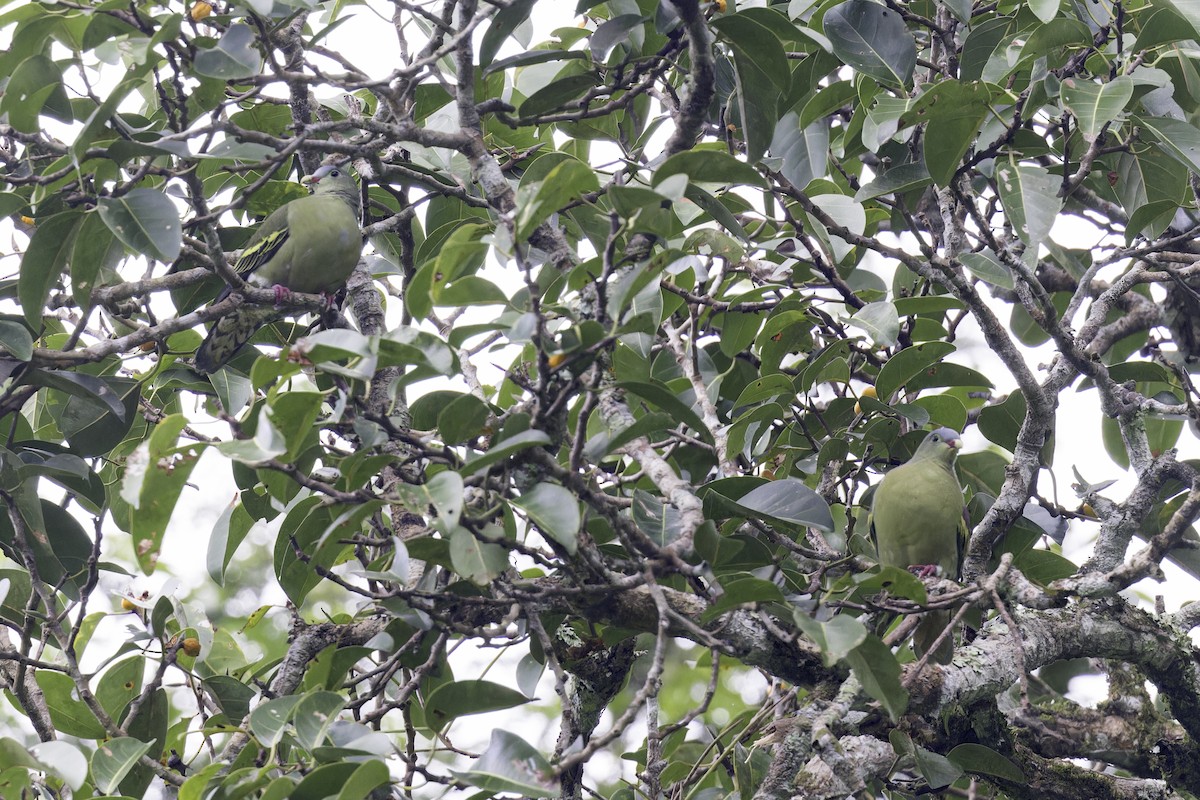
(836,638)
(146,221)
(873,40)
(35,86)
(113,760)
(879,673)
(512,765)
(555,511)
(44,262)
(985,761)
(908,364)
(69,715)
(460,698)
(235,56)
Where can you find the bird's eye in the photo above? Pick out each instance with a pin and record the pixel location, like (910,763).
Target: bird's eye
(334,173)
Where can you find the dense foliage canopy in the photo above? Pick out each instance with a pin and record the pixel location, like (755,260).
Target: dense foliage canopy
(652,293)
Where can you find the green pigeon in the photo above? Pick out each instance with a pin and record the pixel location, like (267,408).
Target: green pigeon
(309,245)
(918,522)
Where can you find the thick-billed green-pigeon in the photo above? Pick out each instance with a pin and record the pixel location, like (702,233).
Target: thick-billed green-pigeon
(918,522)
(309,245)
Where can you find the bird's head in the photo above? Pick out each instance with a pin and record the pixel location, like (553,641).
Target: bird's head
(941,444)
(333,178)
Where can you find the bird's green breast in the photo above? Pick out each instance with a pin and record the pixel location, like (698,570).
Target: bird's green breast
(322,247)
(916,516)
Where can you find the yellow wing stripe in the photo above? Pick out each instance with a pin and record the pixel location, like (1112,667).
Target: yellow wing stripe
(260,253)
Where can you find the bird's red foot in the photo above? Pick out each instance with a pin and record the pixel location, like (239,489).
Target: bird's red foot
(328,299)
(283,295)
(923,571)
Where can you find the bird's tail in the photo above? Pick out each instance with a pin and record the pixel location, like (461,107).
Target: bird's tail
(928,631)
(227,336)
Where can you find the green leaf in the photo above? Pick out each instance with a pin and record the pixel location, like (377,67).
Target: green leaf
(908,364)
(945,410)
(836,638)
(44,262)
(658,395)
(1043,567)
(647,425)
(455,699)
(612,32)
(786,500)
(880,321)
(35,86)
(754,106)
(113,759)
(267,443)
(953,112)
(555,511)
(463,252)
(501,27)
(505,448)
(94,127)
(802,152)
(60,546)
(985,761)
(146,221)
(986,266)
(155,474)
(1030,199)
(1045,10)
(1096,104)
(873,40)
(559,95)
(89,421)
(565,184)
(883,121)
(1057,35)
(879,673)
(463,419)
(756,42)
(846,213)
(511,765)
(709,166)
(314,715)
(268,721)
(937,770)
(319,531)
(444,492)
(1001,422)
(231,696)
(740,590)
(68,715)
(661,521)
(322,782)
(407,345)
(1177,138)
(368,776)
(119,685)
(16,754)
(476,560)
(897,180)
(763,389)
(15,339)
(235,56)
(828,100)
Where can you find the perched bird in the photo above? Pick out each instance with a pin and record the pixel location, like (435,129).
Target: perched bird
(918,522)
(309,245)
